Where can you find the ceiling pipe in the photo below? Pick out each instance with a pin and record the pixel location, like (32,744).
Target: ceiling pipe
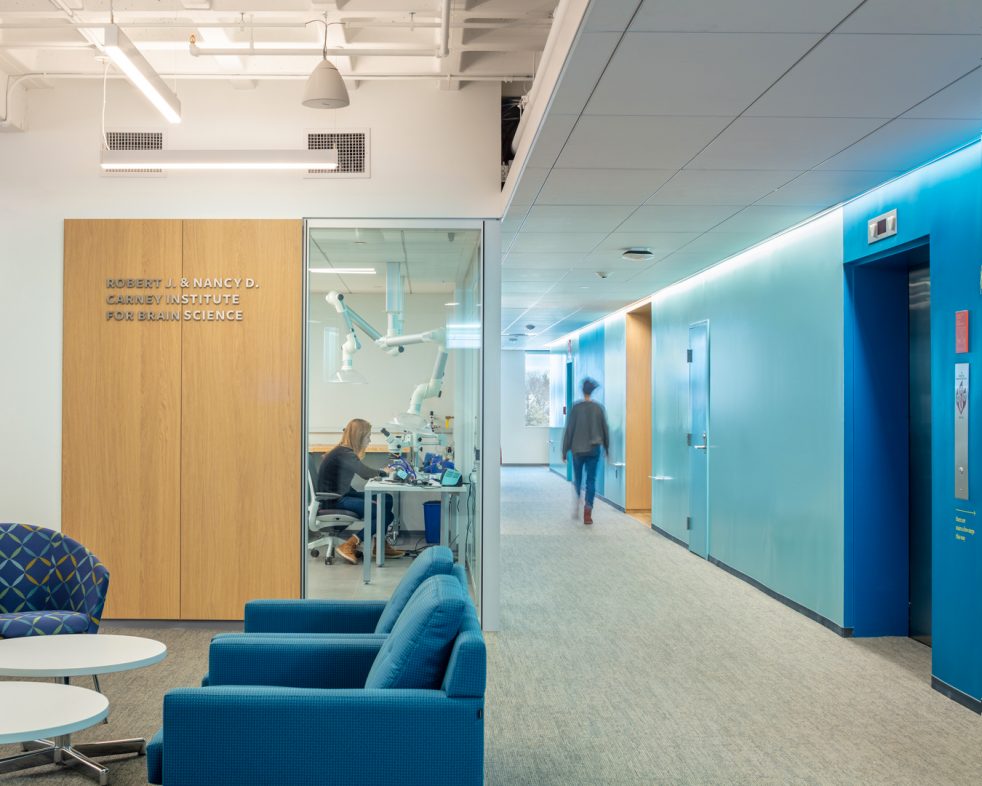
(444,29)
(275,77)
(250,51)
(532,94)
(52,24)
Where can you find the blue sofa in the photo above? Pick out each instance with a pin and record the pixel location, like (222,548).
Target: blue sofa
(405,708)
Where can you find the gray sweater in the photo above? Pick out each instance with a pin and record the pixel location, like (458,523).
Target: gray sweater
(586,427)
(338,469)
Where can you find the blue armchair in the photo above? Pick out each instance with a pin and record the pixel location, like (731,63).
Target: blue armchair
(292,618)
(411,702)
(49,583)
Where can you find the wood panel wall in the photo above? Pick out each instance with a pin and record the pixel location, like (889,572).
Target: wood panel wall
(240,500)
(638,436)
(181,440)
(121,415)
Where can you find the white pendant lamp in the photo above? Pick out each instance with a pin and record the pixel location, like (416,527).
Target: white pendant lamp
(325,88)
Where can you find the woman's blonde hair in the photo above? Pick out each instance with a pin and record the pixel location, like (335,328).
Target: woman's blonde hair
(356,435)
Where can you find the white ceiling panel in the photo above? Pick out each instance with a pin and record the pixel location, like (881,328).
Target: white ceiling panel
(619,142)
(570,242)
(576,218)
(782,142)
(609,15)
(719,186)
(657,241)
(550,261)
(612,258)
(529,185)
(962,99)
(523,288)
(694,73)
(765,220)
(885,75)
(677,218)
(582,72)
(825,188)
(916,16)
(746,16)
(512,222)
(547,275)
(552,137)
(601,186)
(905,143)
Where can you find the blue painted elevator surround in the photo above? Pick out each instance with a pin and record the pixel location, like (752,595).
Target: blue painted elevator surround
(941,203)
(775,454)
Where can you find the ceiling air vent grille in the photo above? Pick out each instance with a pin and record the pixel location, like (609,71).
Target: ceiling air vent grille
(353,152)
(135,140)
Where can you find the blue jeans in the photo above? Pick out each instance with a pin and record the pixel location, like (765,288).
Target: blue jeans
(587,462)
(354,502)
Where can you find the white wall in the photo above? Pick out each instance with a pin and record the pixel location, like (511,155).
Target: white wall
(434,154)
(520,444)
(391,379)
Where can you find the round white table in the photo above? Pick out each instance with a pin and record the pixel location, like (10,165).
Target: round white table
(64,657)
(45,715)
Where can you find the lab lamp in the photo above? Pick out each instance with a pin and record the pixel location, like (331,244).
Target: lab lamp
(411,419)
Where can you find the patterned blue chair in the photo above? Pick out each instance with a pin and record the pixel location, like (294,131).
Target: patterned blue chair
(49,583)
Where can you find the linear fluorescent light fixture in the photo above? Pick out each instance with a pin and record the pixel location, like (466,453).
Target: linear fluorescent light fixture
(220,159)
(124,54)
(344,271)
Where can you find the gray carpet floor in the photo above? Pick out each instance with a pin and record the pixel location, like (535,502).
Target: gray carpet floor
(626,660)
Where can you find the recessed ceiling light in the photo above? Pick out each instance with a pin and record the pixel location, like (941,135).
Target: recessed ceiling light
(638,254)
(344,271)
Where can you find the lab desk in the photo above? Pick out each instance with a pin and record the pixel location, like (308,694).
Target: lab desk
(378,488)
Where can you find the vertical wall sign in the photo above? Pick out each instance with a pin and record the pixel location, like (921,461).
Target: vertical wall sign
(961,431)
(961,332)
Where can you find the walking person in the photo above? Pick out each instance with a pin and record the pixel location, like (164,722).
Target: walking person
(585,435)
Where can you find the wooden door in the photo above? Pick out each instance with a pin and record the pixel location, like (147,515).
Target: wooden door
(121,410)
(241,440)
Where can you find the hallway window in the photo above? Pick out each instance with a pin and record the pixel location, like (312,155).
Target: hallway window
(536,389)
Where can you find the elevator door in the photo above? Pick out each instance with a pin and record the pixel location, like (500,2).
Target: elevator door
(919,502)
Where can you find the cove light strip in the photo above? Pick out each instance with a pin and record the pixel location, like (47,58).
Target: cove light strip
(220,159)
(124,54)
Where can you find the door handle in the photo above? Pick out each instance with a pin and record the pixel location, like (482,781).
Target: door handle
(700,447)
(619,464)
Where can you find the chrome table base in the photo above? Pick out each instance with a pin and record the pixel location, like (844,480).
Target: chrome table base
(61,751)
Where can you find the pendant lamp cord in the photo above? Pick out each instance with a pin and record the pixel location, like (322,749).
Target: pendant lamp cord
(105,83)
(326,25)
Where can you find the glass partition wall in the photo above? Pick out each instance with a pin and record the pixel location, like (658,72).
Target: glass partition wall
(393,338)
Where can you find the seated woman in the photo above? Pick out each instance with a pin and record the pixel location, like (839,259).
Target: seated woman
(335,475)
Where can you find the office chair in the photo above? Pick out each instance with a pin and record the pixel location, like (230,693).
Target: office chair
(326,523)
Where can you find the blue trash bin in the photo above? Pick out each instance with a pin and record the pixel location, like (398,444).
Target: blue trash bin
(431,520)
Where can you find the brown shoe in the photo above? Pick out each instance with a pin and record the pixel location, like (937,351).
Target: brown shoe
(391,552)
(587,514)
(347,550)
